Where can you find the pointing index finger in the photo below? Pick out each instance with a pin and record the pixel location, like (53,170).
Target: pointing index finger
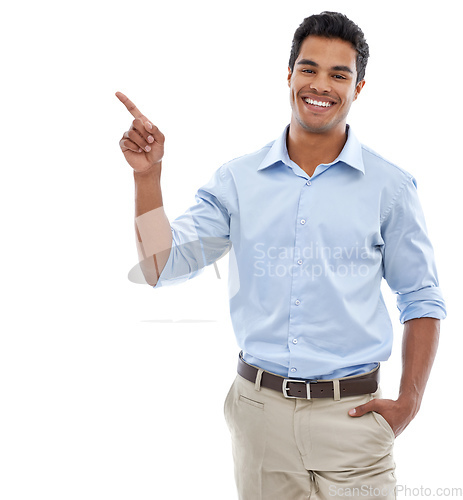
(133,110)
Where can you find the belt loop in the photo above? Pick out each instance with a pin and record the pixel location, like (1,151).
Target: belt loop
(337,390)
(258,379)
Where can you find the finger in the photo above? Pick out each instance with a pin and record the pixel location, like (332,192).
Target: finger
(133,110)
(157,134)
(128,145)
(141,127)
(152,130)
(137,139)
(154,135)
(362,409)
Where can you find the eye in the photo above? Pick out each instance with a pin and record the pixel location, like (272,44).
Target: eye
(307,71)
(340,77)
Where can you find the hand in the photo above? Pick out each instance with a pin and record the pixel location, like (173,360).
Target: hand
(398,414)
(143,143)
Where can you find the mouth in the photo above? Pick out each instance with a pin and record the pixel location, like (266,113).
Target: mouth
(318,104)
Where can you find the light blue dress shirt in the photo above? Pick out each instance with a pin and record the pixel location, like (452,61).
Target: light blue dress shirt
(307,256)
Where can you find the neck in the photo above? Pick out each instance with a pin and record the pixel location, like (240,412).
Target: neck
(310,149)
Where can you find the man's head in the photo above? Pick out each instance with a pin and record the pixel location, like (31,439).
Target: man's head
(325,73)
(332,25)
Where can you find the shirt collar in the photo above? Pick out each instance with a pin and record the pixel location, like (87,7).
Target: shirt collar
(351,153)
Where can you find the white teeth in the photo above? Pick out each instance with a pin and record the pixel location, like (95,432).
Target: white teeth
(308,100)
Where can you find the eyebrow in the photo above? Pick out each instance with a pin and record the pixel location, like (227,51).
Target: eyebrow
(308,62)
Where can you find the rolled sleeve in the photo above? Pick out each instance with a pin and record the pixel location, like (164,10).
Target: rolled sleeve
(200,236)
(408,257)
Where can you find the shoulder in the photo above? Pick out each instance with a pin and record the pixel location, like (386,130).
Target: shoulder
(247,161)
(394,185)
(225,178)
(383,169)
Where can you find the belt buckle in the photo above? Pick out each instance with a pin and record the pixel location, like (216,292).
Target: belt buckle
(286,388)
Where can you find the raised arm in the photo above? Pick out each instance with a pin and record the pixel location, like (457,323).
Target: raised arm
(143,148)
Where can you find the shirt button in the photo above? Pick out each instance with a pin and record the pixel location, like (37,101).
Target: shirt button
(293,370)
(299,261)
(302,221)
(294,341)
(308,183)
(297,302)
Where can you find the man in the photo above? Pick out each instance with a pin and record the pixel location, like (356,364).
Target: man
(314,221)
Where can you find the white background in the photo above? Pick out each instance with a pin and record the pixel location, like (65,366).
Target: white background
(112,390)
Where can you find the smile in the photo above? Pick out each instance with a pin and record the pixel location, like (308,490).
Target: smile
(322,104)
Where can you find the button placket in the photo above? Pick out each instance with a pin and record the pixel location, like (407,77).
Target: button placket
(297,278)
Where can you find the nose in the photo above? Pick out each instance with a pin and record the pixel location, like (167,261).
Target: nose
(320,83)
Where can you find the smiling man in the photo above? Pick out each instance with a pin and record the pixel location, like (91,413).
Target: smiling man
(324,83)
(315,220)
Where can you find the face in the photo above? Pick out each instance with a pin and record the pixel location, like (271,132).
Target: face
(322,84)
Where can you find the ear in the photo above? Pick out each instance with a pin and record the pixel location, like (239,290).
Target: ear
(290,74)
(359,88)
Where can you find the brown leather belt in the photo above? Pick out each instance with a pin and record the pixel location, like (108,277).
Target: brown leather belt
(308,389)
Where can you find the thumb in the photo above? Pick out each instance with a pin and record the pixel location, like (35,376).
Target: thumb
(358,411)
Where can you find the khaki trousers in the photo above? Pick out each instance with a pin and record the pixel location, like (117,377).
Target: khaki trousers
(297,449)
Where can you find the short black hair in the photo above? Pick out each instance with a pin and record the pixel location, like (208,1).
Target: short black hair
(332,25)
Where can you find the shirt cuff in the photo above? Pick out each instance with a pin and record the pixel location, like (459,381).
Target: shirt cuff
(425,303)
(178,269)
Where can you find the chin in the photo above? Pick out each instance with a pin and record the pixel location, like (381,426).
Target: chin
(316,128)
